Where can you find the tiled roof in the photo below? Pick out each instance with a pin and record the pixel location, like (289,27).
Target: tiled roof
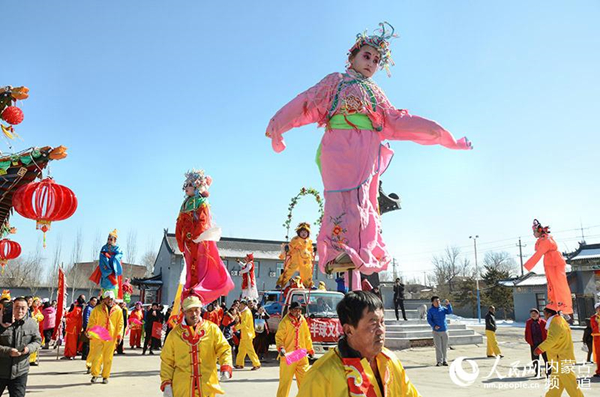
(231,247)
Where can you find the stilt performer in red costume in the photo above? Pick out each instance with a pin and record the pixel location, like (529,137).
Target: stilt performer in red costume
(206,275)
(248,278)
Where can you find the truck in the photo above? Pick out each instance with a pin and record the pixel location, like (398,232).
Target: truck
(319,309)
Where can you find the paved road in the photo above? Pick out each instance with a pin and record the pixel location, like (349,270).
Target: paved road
(136,375)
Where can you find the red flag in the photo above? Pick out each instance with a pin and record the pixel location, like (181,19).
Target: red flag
(60,303)
(120,287)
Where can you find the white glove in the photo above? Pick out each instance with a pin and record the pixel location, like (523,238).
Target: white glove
(168,392)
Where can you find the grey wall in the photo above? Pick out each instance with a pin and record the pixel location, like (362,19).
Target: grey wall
(170,266)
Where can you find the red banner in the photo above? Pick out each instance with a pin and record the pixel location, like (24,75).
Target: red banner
(324,329)
(60,303)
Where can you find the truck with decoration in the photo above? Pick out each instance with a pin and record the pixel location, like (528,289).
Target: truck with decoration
(318,307)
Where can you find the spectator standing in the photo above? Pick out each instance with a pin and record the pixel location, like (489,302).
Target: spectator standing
(49,313)
(436,317)
(17,341)
(493,349)
(399,299)
(535,334)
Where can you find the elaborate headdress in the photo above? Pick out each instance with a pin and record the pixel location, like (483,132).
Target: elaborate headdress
(114,234)
(537,226)
(198,180)
(303,225)
(249,257)
(5,294)
(380,41)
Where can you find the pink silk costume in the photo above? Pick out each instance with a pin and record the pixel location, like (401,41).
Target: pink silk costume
(352,159)
(559,293)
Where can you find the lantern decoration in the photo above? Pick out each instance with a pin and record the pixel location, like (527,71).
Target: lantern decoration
(45,201)
(8,250)
(12,115)
(8,111)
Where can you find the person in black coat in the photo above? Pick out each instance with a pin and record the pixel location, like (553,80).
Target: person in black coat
(399,299)
(588,339)
(152,315)
(125,316)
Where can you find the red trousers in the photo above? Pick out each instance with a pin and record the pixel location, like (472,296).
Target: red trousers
(135,338)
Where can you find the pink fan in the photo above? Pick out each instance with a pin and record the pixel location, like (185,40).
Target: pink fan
(135,321)
(295,356)
(100,333)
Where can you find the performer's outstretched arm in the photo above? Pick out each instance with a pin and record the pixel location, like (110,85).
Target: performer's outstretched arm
(308,107)
(541,248)
(399,125)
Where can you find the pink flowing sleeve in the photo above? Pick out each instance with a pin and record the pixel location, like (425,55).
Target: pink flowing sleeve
(401,126)
(540,249)
(308,107)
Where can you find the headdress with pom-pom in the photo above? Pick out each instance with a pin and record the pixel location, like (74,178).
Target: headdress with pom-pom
(198,180)
(379,41)
(537,226)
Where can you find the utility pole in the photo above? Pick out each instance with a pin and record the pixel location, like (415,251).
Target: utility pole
(521,254)
(477,278)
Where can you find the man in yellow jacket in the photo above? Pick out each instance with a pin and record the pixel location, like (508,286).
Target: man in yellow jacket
(292,334)
(559,348)
(359,365)
(109,316)
(189,357)
(246,347)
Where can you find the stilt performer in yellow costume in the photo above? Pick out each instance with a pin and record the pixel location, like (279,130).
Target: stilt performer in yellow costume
(299,256)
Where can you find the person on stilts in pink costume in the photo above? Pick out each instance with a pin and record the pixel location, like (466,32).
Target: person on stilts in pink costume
(357,117)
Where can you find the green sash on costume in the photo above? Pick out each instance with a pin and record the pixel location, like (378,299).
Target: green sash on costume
(342,122)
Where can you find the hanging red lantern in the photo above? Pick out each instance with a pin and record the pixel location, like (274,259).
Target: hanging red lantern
(8,250)
(12,115)
(45,201)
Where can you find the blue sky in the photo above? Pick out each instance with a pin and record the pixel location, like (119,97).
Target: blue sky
(142,91)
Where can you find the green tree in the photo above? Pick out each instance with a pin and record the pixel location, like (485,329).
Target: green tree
(466,295)
(496,294)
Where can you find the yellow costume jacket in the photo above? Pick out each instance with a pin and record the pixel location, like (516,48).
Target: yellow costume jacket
(189,359)
(293,335)
(111,320)
(246,326)
(301,251)
(327,377)
(558,344)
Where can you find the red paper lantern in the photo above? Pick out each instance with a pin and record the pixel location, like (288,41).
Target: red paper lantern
(45,202)
(12,115)
(8,250)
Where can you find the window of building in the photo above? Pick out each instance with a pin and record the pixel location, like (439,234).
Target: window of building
(256,268)
(541,301)
(279,268)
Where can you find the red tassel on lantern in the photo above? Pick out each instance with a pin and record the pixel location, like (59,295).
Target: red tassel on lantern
(12,115)
(45,202)
(8,250)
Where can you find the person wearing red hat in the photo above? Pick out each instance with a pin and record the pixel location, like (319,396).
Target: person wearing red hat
(249,290)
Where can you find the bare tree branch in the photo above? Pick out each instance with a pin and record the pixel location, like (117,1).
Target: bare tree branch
(131,252)
(501,261)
